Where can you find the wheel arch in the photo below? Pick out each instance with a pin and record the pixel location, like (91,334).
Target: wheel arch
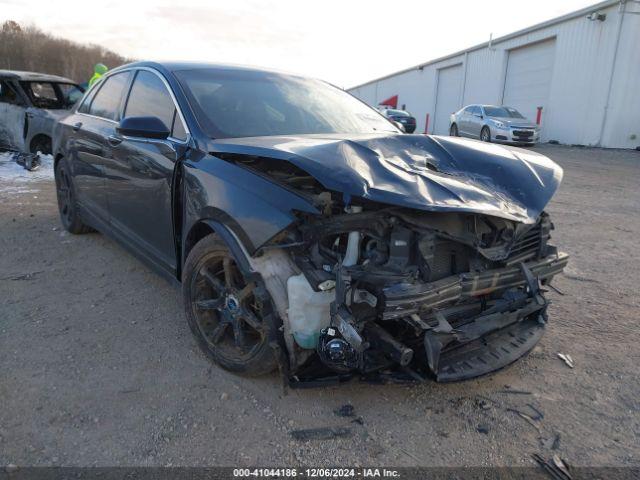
(40,137)
(208,226)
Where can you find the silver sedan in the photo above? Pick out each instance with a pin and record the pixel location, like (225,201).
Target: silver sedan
(490,123)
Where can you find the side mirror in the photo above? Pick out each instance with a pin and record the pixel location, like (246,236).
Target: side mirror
(143,127)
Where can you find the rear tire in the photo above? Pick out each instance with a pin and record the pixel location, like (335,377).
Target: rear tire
(226,310)
(453,131)
(67,203)
(485,134)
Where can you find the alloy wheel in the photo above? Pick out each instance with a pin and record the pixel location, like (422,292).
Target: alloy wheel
(225,308)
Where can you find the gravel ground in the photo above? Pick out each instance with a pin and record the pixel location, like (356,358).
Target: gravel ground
(98,367)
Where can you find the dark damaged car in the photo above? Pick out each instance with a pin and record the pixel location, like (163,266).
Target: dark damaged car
(308,233)
(30,105)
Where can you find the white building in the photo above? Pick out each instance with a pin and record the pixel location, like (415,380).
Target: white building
(582,69)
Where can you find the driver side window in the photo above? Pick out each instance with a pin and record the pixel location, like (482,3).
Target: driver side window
(149,97)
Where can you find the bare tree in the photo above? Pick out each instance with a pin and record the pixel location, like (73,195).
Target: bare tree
(29,48)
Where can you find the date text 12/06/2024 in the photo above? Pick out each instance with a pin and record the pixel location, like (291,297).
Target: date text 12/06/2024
(316,472)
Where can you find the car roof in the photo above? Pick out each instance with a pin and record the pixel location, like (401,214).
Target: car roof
(33,76)
(177,66)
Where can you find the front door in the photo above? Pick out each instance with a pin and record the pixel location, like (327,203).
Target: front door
(140,173)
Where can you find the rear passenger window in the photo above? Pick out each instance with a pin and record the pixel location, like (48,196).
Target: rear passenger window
(106,103)
(149,97)
(86,103)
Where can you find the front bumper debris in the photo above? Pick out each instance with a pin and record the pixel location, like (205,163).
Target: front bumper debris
(403,300)
(497,337)
(492,352)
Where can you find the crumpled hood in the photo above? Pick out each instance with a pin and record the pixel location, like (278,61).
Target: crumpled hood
(430,173)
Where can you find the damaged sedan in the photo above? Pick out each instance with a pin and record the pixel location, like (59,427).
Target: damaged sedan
(30,104)
(308,233)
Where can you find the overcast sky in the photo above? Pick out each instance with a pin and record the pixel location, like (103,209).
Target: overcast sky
(346,42)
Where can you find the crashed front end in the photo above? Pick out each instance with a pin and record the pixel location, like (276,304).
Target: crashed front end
(442,295)
(448,289)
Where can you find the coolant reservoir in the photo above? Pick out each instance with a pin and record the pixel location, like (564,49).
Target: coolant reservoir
(309,311)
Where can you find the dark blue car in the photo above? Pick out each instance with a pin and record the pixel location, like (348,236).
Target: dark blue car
(307,232)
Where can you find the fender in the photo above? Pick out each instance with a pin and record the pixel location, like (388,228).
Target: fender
(232,241)
(254,208)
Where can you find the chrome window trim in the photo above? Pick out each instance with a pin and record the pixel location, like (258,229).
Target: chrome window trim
(134,69)
(95,116)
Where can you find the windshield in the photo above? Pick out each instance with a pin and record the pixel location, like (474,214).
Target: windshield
(245,103)
(502,112)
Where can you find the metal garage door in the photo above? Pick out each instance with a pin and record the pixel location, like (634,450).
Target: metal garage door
(529,77)
(447,97)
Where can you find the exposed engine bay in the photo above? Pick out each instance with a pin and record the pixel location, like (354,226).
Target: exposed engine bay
(378,290)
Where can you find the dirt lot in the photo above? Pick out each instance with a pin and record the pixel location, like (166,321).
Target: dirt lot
(98,367)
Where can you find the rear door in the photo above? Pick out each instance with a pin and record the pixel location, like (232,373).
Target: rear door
(476,121)
(463,121)
(94,123)
(140,173)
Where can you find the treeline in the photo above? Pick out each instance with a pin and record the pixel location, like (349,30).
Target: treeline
(29,48)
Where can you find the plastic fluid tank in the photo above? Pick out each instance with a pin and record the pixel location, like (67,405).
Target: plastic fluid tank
(309,311)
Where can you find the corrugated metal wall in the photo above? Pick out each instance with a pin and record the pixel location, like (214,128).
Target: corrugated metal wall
(582,86)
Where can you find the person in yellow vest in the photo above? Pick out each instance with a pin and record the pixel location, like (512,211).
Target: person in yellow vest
(98,71)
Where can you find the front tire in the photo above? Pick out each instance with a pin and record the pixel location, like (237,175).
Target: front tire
(67,203)
(485,134)
(226,310)
(453,131)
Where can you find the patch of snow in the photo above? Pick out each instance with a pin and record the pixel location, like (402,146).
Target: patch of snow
(11,172)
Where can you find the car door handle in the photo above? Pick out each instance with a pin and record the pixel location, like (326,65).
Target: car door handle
(114,140)
(77,126)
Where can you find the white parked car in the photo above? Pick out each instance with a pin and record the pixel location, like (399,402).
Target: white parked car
(490,123)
